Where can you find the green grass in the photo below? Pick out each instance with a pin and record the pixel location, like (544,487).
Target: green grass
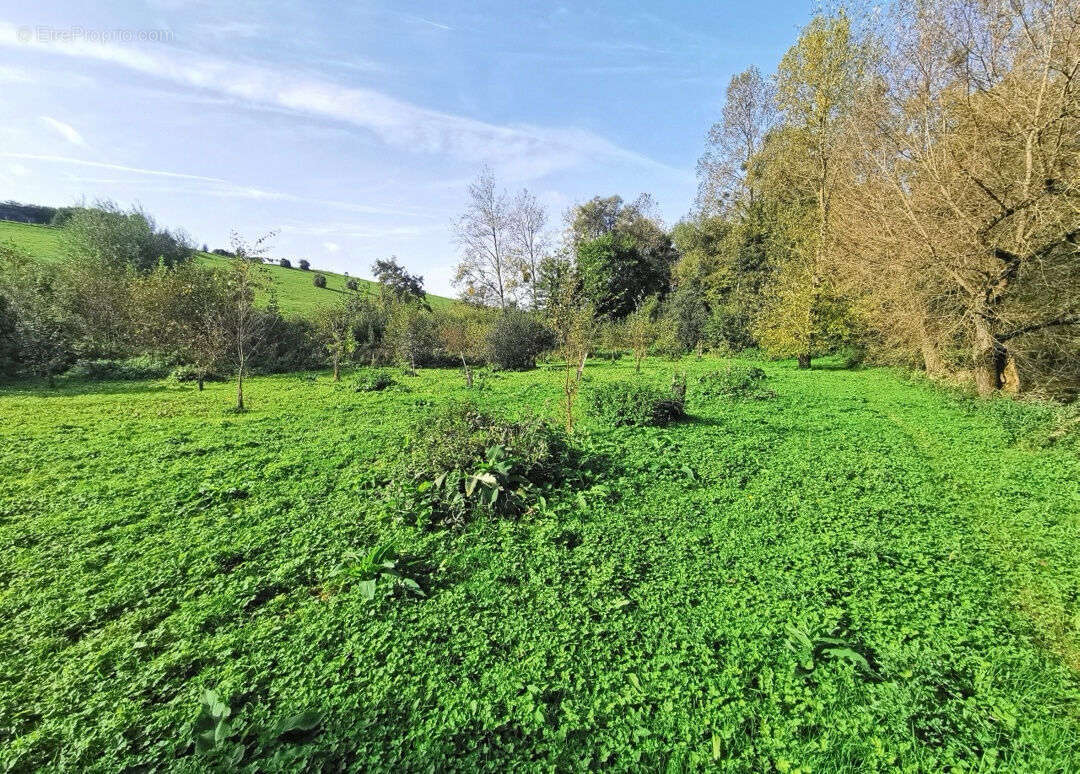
(297,294)
(857,574)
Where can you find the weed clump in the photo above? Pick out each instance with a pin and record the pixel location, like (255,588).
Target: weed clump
(734,380)
(375,381)
(464,462)
(632,404)
(128,369)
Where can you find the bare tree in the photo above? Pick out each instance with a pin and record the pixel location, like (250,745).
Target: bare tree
(529,241)
(483,235)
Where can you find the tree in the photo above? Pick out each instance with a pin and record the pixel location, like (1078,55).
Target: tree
(529,243)
(961,209)
(397,285)
(622,253)
(352,284)
(486,269)
(640,330)
(121,239)
(319,280)
(285,263)
(816,86)
(38,332)
(238,323)
(573,320)
(304,264)
(463,331)
(725,171)
(336,324)
(412,335)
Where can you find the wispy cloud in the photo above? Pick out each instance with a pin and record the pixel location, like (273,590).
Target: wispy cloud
(105,165)
(517,151)
(331,247)
(67,131)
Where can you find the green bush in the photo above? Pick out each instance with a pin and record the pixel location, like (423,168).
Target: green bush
(633,404)
(375,380)
(516,339)
(463,462)
(733,380)
(129,369)
(190,373)
(319,280)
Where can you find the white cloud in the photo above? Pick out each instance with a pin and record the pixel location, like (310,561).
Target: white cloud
(67,131)
(331,247)
(104,165)
(15,75)
(518,152)
(18,170)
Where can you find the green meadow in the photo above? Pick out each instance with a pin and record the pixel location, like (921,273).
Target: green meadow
(850,572)
(295,289)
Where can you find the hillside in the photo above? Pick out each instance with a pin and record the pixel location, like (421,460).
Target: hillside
(297,294)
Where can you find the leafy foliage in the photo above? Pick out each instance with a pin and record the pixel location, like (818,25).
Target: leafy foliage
(375,380)
(635,404)
(733,380)
(515,339)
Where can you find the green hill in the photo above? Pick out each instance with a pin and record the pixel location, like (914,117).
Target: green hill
(297,294)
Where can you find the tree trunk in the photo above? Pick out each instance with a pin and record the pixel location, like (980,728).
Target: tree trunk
(199,379)
(581,365)
(804,361)
(240,390)
(989,357)
(337,369)
(468,372)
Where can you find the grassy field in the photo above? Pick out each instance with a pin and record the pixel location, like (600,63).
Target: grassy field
(297,294)
(858,574)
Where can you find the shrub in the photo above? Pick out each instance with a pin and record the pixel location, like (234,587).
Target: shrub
(190,373)
(129,369)
(352,284)
(375,381)
(632,404)
(516,339)
(464,462)
(285,263)
(319,280)
(731,381)
(304,264)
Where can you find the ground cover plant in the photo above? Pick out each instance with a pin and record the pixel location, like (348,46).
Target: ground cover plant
(864,573)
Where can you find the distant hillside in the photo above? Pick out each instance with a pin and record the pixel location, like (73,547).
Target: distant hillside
(297,294)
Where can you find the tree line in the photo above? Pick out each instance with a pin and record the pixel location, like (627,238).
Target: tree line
(905,187)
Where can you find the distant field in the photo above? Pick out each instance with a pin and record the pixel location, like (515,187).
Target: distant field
(297,294)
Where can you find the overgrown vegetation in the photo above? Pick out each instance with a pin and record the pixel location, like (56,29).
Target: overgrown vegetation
(635,404)
(709,579)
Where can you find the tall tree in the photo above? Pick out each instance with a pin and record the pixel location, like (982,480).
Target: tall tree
(529,243)
(486,271)
(962,211)
(396,284)
(725,173)
(816,86)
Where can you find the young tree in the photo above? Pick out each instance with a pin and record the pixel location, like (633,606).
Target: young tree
(462,332)
(336,324)
(239,322)
(486,270)
(641,331)
(573,320)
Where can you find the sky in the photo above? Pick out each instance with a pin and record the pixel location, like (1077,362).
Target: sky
(352,130)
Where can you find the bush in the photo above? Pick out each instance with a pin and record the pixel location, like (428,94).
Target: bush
(352,284)
(319,280)
(285,263)
(464,462)
(516,339)
(632,404)
(190,373)
(129,369)
(375,381)
(732,381)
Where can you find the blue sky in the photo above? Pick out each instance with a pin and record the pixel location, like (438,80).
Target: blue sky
(353,129)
